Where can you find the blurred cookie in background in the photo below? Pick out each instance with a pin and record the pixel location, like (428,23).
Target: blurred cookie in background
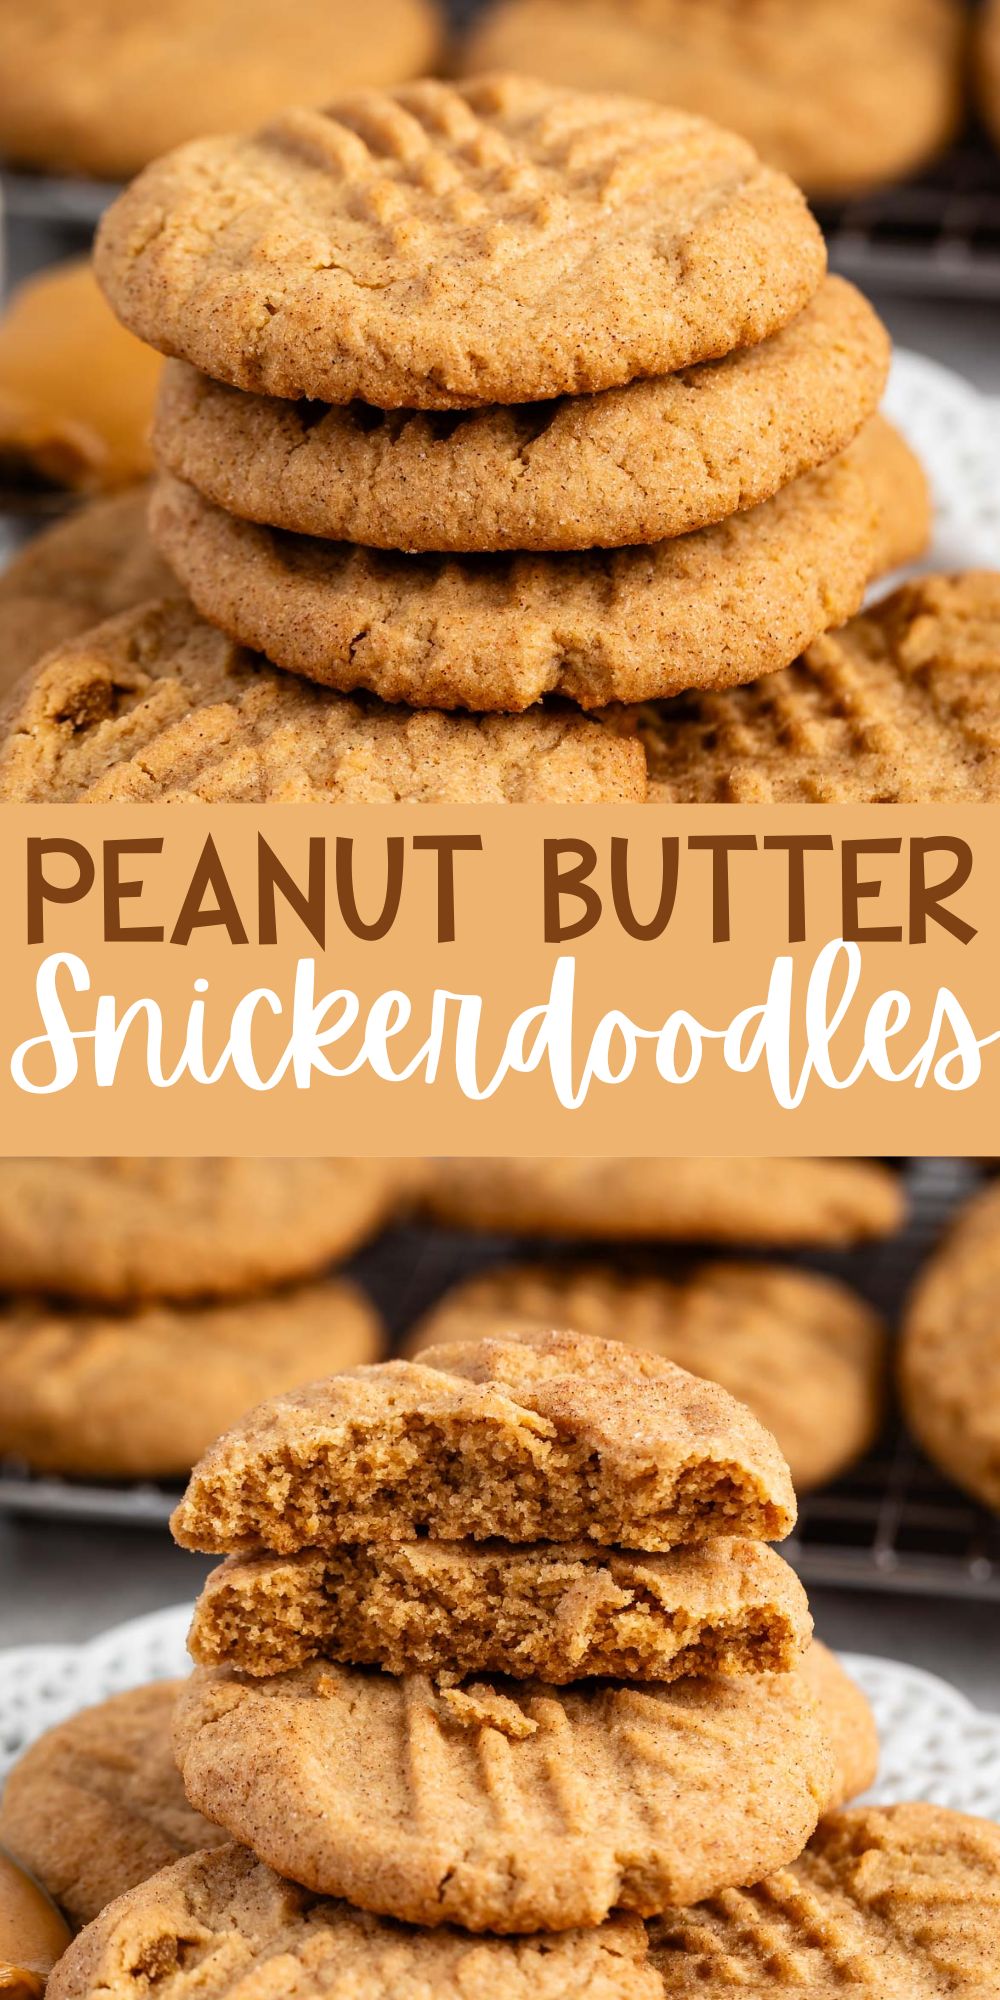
(803,1352)
(76,389)
(949,1363)
(986,63)
(844,95)
(100,87)
(100,1395)
(761,1201)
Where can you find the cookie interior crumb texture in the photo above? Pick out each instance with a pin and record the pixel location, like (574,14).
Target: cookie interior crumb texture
(554,1437)
(549,1612)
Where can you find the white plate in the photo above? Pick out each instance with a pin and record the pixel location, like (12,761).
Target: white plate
(955,432)
(935,1745)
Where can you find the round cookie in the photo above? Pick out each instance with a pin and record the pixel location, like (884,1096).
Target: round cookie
(553,1437)
(842,97)
(259,1934)
(987,64)
(96,1805)
(716,607)
(504,1805)
(443,245)
(643,463)
(76,391)
(887,1903)
(900,706)
(95,87)
(849,1722)
(142,1395)
(668,1200)
(548,1611)
(205,721)
(806,1355)
(114,1230)
(949,1361)
(97,562)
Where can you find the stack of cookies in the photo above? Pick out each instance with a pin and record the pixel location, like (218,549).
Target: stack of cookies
(499,1641)
(147,1302)
(481,396)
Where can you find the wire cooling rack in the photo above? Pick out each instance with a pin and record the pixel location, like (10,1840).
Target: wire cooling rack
(892,1524)
(937,235)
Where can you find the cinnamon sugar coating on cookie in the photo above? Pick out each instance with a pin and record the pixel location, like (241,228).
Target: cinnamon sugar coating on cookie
(507,1805)
(554,1437)
(887,1903)
(256,1935)
(804,1353)
(445,244)
(550,1611)
(96,563)
(949,1360)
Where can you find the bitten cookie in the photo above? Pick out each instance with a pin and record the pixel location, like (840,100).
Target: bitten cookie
(158,707)
(553,1437)
(949,1367)
(260,1934)
(547,1611)
(717,607)
(88,88)
(502,1805)
(898,1902)
(843,97)
(806,1355)
(669,1200)
(643,463)
(115,1230)
(451,244)
(141,1395)
(96,1805)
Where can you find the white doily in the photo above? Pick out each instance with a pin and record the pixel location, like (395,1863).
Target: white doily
(935,1745)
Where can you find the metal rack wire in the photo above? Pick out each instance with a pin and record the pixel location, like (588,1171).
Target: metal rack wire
(892,1524)
(938,235)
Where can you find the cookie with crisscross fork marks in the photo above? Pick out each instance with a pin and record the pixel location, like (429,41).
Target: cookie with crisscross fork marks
(507,1805)
(223,1927)
(448,244)
(887,1903)
(900,707)
(158,706)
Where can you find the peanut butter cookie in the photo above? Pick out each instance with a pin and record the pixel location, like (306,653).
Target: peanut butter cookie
(95,87)
(898,1902)
(806,1355)
(507,1805)
(259,1934)
(442,245)
(950,1352)
(96,1805)
(672,1200)
(717,607)
(551,1612)
(643,463)
(142,1395)
(553,1437)
(158,707)
(116,1230)
(843,97)
(849,1722)
(97,562)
